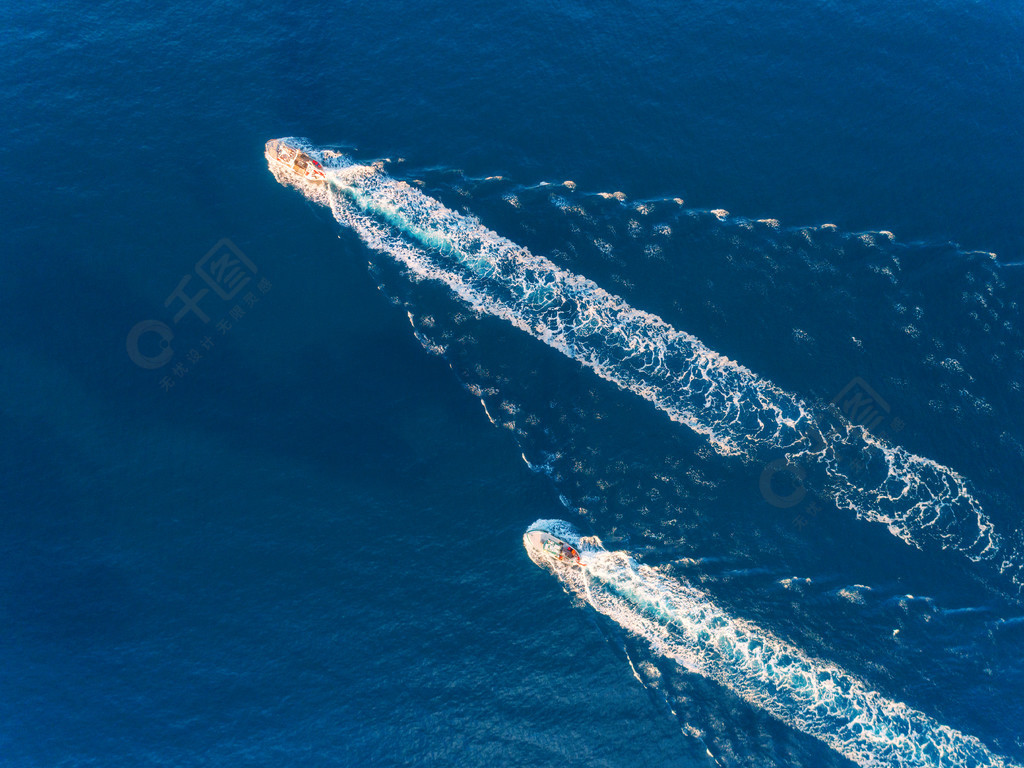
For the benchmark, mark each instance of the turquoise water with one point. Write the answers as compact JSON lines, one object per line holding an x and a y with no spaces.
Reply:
{"x":297,"y":538}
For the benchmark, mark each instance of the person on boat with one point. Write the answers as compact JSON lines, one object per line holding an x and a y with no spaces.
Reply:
{"x":568,"y":553}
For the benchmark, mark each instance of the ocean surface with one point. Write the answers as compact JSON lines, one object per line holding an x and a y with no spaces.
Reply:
{"x":735,"y":289}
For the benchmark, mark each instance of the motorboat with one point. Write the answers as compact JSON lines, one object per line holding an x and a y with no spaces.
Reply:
{"x":555,"y":541}
{"x":283,"y":155}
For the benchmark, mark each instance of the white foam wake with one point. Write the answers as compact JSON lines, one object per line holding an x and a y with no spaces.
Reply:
{"x":922,"y":502}
{"x":816,"y":697}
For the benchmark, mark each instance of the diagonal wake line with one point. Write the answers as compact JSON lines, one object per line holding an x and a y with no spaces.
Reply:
{"x":681,"y":623}
{"x":740,"y":414}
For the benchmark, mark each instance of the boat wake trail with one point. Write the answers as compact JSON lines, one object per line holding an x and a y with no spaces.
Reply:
{"x":816,"y":697}
{"x":739,"y":413}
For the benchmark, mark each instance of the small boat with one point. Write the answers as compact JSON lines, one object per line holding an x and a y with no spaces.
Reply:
{"x":294,"y":161}
{"x":553,"y":540}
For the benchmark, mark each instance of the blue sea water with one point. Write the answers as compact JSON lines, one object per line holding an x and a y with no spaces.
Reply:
{"x":298,"y":541}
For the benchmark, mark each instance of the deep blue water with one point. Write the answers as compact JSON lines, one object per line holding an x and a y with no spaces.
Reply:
{"x":303,"y":545}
